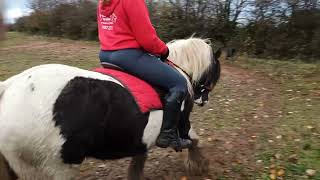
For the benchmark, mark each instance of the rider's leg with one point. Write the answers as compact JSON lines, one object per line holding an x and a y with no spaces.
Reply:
{"x":154,"y":71}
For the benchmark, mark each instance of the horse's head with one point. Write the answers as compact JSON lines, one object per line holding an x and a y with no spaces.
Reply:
{"x":196,"y":59}
{"x":208,"y":81}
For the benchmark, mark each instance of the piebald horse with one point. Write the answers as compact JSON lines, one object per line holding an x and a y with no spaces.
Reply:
{"x":54,"y":116}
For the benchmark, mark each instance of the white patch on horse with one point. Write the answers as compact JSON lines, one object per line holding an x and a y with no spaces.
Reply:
{"x":29,"y":139}
{"x":182,"y":105}
{"x":192,"y":134}
{"x":198,"y":101}
{"x":152,"y":130}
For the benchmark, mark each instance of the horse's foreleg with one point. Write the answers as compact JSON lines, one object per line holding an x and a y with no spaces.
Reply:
{"x":6,"y":173}
{"x":196,"y":163}
{"x":136,"y":167}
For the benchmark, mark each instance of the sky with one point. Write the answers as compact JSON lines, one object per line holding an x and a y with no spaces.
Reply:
{"x":14,"y":9}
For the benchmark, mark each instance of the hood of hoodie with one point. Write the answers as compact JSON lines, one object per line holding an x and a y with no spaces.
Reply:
{"x":108,"y":9}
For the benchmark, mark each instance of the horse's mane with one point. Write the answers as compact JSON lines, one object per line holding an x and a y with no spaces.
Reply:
{"x":193,"y":55}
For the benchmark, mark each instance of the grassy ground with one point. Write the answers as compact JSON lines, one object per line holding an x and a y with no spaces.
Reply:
{"x":296,"y":146}
{"x":263,"y":119}
{"x":20,"y":52}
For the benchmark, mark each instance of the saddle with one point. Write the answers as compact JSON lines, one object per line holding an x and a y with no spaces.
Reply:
{"x":146,"y":97}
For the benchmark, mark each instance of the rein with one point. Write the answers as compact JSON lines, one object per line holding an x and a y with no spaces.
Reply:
{"x":175,"y":65}
{"x":208,"y":88}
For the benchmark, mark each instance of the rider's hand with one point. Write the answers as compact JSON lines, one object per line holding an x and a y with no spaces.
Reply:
{"x":164,"y":57}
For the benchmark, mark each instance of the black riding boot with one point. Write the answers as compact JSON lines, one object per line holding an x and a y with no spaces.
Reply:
{"x":169,"y":136}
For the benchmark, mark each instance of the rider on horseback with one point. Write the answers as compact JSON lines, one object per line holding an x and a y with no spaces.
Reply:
{"x":128,"y":40}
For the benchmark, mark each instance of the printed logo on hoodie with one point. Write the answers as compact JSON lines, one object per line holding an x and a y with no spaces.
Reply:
{"x":107,"y":22}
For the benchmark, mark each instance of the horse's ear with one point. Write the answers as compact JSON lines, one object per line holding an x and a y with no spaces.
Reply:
{"x":218,"y":53}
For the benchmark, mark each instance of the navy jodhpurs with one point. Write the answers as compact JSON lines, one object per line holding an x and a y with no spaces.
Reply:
{"x":147,"y":67}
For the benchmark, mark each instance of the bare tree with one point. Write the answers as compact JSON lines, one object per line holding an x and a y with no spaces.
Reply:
{"x":47,"y":5}
{"x":2,"y":28}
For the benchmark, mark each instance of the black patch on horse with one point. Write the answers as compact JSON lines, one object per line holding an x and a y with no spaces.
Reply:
{"x":98,"y":119}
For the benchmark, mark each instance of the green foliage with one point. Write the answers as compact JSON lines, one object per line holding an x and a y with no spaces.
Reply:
{"x":298,"y":37}
{"x":75,"y":20}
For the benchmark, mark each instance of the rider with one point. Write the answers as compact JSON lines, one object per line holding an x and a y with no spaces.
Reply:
{"x":128,"y":40}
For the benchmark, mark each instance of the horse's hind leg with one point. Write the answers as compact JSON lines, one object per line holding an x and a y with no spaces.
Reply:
{"x":23,"y":170}
{"x":27,"y":167}
{"x":136,"y":167}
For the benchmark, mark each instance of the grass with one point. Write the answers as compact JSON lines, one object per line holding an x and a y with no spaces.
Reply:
{"x":298,"y":115}
{"x":21,"y":51}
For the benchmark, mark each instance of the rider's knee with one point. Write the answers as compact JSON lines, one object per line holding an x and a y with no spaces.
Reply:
{"x":181,"y":90}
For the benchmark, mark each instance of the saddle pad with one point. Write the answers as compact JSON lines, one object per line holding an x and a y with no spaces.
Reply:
{"x":146,"y":97}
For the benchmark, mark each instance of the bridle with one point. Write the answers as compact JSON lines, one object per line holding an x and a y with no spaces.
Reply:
{"x":204,"y":87}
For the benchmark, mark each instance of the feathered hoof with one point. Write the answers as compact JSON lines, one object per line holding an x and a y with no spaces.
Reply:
{"x":196,"y":163}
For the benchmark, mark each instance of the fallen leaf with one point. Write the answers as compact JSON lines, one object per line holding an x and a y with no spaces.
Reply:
{"x":273,"y":171}
{"x":311,"y":172}
{"x":278,"y":156}
{"x":309,"y":127}
{"x":293,"y":158}
{"x":273,"y":176}
{"x":102,"y":166}
{"x":183,"y":178}
{"x":281,"y":172}
{"x":272,"y":166}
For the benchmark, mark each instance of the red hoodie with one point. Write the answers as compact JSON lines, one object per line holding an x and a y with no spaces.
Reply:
{"x":126,"y":24}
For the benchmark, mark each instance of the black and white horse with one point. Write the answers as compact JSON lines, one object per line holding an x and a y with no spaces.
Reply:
{"x":54,"y":116}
